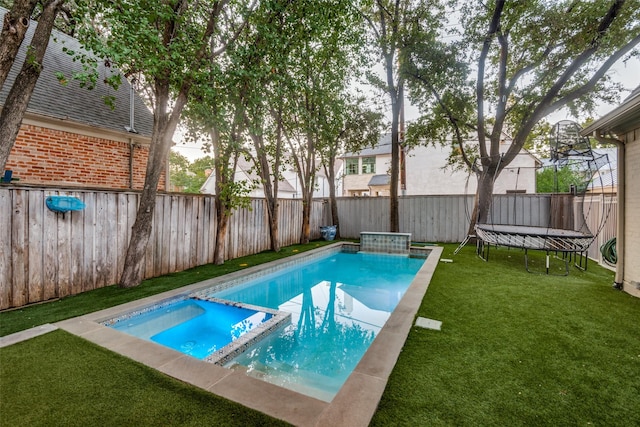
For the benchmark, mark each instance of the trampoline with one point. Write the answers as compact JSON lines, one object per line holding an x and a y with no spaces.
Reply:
{"x":566,"y":242}
{"x":568,"y":149}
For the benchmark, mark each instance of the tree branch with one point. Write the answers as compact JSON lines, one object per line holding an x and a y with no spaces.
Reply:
{"x":486,"y":45}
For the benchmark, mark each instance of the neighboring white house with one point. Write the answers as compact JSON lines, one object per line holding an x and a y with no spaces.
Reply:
{"x":605,"y":179}
{"x":622,"y":127}
{"x":366,"y":173}
{"x":288,"y":186}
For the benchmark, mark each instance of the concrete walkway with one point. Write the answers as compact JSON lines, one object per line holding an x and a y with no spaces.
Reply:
{"x":25,"y":335}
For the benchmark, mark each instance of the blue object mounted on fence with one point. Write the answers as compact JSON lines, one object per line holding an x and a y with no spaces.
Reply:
{"x":63,"y":204}
{"x":328,"y":232}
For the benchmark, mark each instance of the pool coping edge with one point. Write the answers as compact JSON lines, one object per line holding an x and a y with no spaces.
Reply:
{"x":355,"y":403}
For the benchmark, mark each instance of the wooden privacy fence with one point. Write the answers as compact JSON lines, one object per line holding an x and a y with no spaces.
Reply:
{"x":446,"y":218}
{"x":600,"y":213}
{"x":45,"y":255}
{"x":427,"y":218}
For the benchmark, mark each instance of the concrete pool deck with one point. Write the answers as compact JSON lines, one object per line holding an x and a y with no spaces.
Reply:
{"x":355,"y":403}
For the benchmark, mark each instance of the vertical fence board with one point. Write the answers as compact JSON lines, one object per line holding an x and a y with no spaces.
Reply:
{"x":111,"y":241}
{"x":167,"y":229}
{"x":76,"y":226}
{"x":102,"y":245}
{"x":213,"y":235}
{"x":155,"y":241}
{"x":122,"y":232}
{"x":200,"y":257}
{"x":89,"y":229}
{"x":20,"y":248}
{"x":51,"y":255}
{"x":36,"y":238}
{"x":63,"y":262}
{"x":194,"y":218}
{"x":6,"y":252}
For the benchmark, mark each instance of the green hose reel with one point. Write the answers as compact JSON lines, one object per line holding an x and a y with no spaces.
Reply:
{"x":608,"y":251}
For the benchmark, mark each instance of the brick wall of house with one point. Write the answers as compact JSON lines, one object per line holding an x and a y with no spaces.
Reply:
{"x":55,"y":157}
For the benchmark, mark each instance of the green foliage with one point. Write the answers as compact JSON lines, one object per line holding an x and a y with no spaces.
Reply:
{"x":189,"y":177}
{"x":559,"y":180}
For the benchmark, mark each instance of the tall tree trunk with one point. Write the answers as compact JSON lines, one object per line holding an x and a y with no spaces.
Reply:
{"x":482,"y":203}
{"x":305,"y":233}
{"x":222,"y":223}
{"x":394,"y":225}
{"x":222,"y":174}
{"x":14,"y":28}
{"x":393,"y":91}
{"x":164,"y":126}
{"x":331,"y":175}
{"x":272,"y":212}
{"x":18,"y":98}
{"x":270,"y":189}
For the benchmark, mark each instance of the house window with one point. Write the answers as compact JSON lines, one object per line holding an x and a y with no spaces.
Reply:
{"x":352,"y":166}
{"x":368,"y":165}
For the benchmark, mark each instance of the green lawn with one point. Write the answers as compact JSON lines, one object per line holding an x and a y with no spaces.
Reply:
{"x":515,"y":349}
{"x":518,"y":349}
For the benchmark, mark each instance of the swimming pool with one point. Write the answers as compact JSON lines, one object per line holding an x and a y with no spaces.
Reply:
{"x":336,"y":305}
{"x":192,"y":326}
{"x":353,"y":405}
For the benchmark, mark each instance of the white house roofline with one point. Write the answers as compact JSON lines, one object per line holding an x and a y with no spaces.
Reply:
{"x":619,"y":120}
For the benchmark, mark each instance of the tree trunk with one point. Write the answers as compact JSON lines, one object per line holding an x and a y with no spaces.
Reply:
{"x":163,"y":129}
{"x":331,"y":175}
{"x":306,"y":215}
{"x":270,"y":190}
{"x":14,"y":28}
{"x":272,"y":211}
{"x":222,"y":223}
{"x":483,"y":200}
{"x":222,"y":202}
{"x":394,"y":216}
{"x":18,"y":98}
{"x":394,"y":225}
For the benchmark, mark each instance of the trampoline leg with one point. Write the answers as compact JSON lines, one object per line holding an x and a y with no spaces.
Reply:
{"x":463,"y":243}
{"x":547,"y":262}
{"x":481,"y":247}
{"x":578,"y":264}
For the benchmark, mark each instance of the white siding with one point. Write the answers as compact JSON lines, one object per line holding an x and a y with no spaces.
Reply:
{"x":632,"y":214}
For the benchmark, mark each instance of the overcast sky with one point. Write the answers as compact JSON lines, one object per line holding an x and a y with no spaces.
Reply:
{"x":628,"y":74}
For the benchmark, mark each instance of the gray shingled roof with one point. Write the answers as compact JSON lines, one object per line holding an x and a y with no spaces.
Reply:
{"x":71,"y":102}
{"x":379,"y":180}
{"x":382,"y":147}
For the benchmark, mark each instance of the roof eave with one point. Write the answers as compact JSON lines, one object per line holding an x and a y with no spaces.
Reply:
{"x":612,"y":121}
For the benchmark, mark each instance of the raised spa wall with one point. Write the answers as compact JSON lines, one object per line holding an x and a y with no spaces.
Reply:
{"x":389,"y":243}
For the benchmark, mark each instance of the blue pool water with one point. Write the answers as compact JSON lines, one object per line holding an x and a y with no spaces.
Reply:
{"x":338,"y":304}
{"x":194,"y":327}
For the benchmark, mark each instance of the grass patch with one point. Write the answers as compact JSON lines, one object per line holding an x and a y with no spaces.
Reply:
{"x":518,"y":348}
{"x":77,"y":305}
{"x":515,"y":349}
{"x":59,"y":379}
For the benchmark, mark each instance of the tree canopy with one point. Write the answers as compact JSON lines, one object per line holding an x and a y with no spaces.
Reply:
{"x":526,"y":60}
